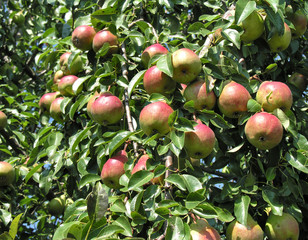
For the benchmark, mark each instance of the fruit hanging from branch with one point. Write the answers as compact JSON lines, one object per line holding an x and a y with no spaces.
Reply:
{"x":3,"y":120}
{"x":113,"y":169}
{"x":264,"y":130}
{"x":156,"y":81}
{"x":151,"y":51}
{"x":233,"y":99}
{"x":186,"y":65}
{"x":153,"y":118}
{"x":107,"y":109}
{"x":272,"y":95}
{"x":82,"y":37}
{"x":7,"y":174}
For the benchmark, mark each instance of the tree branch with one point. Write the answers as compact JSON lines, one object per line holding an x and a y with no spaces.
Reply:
{"x":220,"y":174}
{"x":126,"y":99}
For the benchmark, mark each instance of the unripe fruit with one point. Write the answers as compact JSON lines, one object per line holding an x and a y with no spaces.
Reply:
{"x":56,"y":206}
{"x":279,"y":43}
{"x":75,"y":67}
{"x":264,"y":130}
{"x":282,"y":227}
{"x":7,"y":174}
{"x":19,"y":19}
{"x":154,"y":118}
{"x":3,"y":120}
{"x":253,"y":27}
{"x":298,"y":80}
{"x":82,"y":37}
{"x":57,"y":77}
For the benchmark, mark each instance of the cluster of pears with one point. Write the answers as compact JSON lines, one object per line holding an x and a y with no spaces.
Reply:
{"x":84,"y":38}
{"x":253,"y":28}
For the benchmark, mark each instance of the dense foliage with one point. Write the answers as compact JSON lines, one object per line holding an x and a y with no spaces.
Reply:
{"x":65,"y":157}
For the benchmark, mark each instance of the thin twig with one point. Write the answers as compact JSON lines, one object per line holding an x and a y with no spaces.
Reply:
{"x":220,"y":174}
{"x":126,"y":99}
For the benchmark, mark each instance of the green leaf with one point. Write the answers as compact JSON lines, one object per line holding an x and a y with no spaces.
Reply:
{"x":177,"y":229}
{"x":6,"y":236}
{"x":192,"y":183}
{"x":97,"y":202}
{"x":75,"y":107}
{"x":298,"y":160}
{"x":271,"y":68}
{"x":77,"y":138}
{"x":177,"y":180}
{"x":194,"y":199}
{"x":270,"y":174}
{"x":241,"y":207}
{"x":135,"y":81}
{"x":243,"y":9}
{"x":123,"y":222}
{"x":172,"y":118}
{"x":33,"y":170}
{"x":118,"y":206}
{"x":118,"y":140}
{"x":178,"y":138}
{"x":183,"y":124}
{"x":89,"y":178}
{"x":78,"y":83}
{"x":164,"y":64}
{"x":271,"y":197}
{"x":14,"y":226}
{"x":109,"y":230}
{"x":139,"y":178}
{"x":253,"y":106}
{"x":63,"y":230}
{"x":233,"y":36}
{"x":282,"y":117}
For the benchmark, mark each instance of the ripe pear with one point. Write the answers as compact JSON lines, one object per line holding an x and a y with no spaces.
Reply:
{"x":253,"y":27}
{"x":142,"y":165}
{"x":156,"y":81}
{"x":107,"y":109}
{"x":55,"y":109}
{"x":202,"y":230}
{"x":281,"y":227}
{"x":90,"y":103}
{"x":46,"y":101}
{"x":233,"y":99}
{"x":200,"y":142}
{"x":154,"y":118}
{"x":65,"y":86}
{"x":272,"y":95}
{"x":186,"y":65}
{"x":279,"y":43}
{"x":151,"y":51}
{"x":197,"y":92}
{"x":264,"y":130}
{"x":105,"y":36}
{"x":113,"y":169}
{"x":57,"y":77}
{"x":238,"y":231}
{"x":82,"y":37}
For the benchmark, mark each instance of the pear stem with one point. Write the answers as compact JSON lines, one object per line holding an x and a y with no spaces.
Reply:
{"x":126,"y":99}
